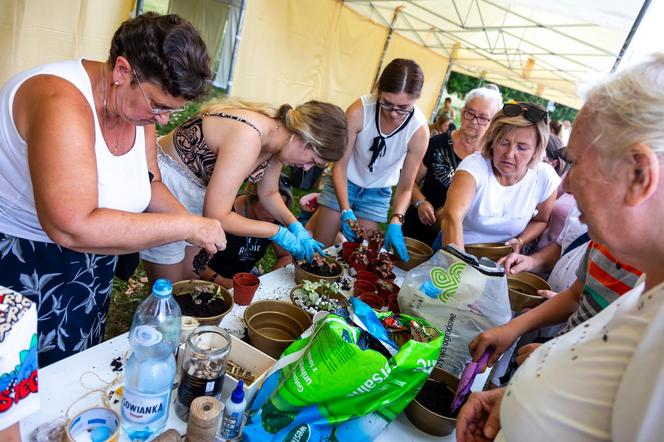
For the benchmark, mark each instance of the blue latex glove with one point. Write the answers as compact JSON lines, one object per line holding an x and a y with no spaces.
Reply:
{"x":348,"y":215}
{"x":394,"y":239}
{"x":308,"y":244}
{"x":288,"y":242}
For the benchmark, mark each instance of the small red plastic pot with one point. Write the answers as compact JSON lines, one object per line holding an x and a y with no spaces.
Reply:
{"x":386,"y":288}
{"x":348,"y":248}
{"x":372,"y":301}
{"x":244,"y":287}
{"x":362,"y":286}
{"x":393,"y":303}
{"x":365,"y":275}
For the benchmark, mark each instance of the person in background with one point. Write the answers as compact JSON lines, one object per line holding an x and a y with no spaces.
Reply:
{"x":388,"y":135}
{"x":443,"y":155}
{"x":448,"y":109}
{"x":602,"y":380}
{"x":19,"y":383}
{"x":564,"y":201}
{"x":505,"y":193}
{"x":555,"y":127}
{"x":442,"y":124}
{"x":242,"y":253}
{"x":565,"y":132}
{"x":79,"y":182}
{"x":207,"y":158}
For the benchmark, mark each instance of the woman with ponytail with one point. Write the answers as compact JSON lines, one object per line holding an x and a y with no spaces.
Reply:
{"x":205,"y":161}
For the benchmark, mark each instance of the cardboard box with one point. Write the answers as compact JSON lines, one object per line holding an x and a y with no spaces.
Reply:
{"x":249,"y":358}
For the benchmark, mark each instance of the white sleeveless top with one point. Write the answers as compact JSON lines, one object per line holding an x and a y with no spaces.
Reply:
{"x":387,"y":169}
{"x":122,"y":182}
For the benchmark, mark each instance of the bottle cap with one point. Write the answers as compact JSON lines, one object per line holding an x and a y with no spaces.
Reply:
{"x":162,"y":288}
{"x":238,"y":394}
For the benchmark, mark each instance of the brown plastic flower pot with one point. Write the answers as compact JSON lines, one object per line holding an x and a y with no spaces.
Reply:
{"x":274,"y":325}
{"x":492,"y":250}
{"x":522,"y":290}
{"x":244,"y":287}
{"x":361,"y":286}
{"x":373,"y":301}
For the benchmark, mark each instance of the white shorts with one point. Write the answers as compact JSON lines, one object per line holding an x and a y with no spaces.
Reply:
{"x":188,"y":190}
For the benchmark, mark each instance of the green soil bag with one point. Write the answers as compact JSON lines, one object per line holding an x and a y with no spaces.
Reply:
{"x":325,"y":387}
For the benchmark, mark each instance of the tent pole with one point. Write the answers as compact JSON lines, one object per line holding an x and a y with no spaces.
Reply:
{"x":630,"y":36}
{"x":236,"y":44}
{"x":139,"y":7}
{"x":446,"y":78}
{"x":390,"y":31}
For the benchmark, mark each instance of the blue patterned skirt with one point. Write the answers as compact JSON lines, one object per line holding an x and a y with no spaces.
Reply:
{"x":72,"y":291}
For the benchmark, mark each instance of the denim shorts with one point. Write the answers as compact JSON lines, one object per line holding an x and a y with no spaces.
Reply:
{"x":186,"y":188}
{"x":370,"y":204}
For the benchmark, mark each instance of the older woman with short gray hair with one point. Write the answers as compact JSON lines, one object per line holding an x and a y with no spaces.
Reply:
{"x":444,"y":153}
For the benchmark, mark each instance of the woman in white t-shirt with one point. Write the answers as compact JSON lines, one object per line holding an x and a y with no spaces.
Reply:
{"x":387,"y":139}
{"x":505,"y":193}
{"x":604,"y":380}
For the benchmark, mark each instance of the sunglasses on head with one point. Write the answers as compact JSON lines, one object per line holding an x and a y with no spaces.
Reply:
{"x":531,"y":112}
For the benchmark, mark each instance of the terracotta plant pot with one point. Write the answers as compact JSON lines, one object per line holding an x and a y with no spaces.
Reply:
{"x":386,"y":288}
{"x":348,"y":248}
{"x":373,"y":301}
{"x":244,"y":287}
{"x":362,"y":286}
{"x":358,"y":266}
{"x":366,"y":276}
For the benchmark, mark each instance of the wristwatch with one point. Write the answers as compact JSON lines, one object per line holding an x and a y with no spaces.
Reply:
{"x":418,"y":203}
{"x":398,"y":216}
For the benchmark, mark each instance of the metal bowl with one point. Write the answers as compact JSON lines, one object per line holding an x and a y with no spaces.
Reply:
{"x":303,"y":275}
{"x":274,"y":325}
{"x":492,"y":250}
{"x":418,"y":252}
{"x":522,"y":289}
{"x":425,"y":419}
{"x":181,"y":287}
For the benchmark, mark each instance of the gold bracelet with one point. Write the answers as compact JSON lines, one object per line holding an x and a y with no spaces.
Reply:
{"x":520,"y":241}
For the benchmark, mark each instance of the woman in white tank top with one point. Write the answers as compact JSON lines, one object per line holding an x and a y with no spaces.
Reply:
{"x":78,"y":171}
{"x":387,"y":139}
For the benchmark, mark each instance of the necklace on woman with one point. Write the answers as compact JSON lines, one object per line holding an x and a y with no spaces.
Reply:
{"x":104,"y":117}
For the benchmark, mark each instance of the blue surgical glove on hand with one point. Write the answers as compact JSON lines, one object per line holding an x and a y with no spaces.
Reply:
{"x":394,"y":239}
{"x":288,"y":242}
{"x":348,"y":215}
{"x":308,"y":244}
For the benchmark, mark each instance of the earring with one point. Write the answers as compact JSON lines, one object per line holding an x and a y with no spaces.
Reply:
{"x":116,"y":84}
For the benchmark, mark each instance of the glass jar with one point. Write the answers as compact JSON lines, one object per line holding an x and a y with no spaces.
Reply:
{"x":203,"y":366}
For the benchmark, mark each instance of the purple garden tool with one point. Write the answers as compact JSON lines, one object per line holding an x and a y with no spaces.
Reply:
{"x":467,"y":378}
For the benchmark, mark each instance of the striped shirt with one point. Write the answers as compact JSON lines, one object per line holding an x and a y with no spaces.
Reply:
{"x":605,"y":280}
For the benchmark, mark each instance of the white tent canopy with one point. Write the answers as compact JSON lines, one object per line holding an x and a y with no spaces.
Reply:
{"x":538,"y":46}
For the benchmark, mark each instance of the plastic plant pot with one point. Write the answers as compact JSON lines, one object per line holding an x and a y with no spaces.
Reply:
{"x":244,"y":288}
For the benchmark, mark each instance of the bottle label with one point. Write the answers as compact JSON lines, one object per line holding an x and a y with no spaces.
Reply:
{"x":231,"y":424}
{"x":192,"y":387}
{"x":144,"y":408}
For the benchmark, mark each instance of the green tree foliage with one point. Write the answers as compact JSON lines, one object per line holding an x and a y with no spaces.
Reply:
{"x":460,"y":84}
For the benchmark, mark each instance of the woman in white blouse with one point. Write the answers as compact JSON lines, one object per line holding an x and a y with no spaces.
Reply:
{"x":505,"y":193}
{"x":604,"y":380}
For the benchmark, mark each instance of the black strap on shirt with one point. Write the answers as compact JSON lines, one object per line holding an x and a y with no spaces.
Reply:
{"x":378,"y":146}
{"x":581,"y":240}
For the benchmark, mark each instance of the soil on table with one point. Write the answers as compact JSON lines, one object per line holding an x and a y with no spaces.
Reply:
{"x":202,"y":307}
{"x":437,"y":397}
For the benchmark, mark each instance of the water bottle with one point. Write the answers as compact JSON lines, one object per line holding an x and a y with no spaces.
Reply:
{"x":150,"y":370}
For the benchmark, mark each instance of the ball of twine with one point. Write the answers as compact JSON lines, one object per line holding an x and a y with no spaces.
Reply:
{"x":204,"y":417}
